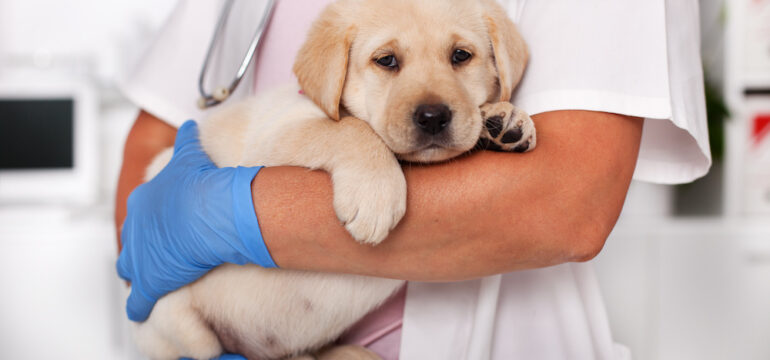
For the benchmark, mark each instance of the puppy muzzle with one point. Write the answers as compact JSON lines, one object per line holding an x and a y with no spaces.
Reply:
{"x":432,"y":119}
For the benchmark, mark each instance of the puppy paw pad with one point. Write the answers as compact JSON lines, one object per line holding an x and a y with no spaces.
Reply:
{"x":522,"y":148}
{"x":494,"y":125}
{"x":509,"y":130}
{"x":512,"y":136}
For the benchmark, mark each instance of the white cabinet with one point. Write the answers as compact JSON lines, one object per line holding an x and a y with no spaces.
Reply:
{"x":747,"y":91}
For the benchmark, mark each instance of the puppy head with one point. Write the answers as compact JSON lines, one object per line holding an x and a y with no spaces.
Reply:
{"x":416,"y":71}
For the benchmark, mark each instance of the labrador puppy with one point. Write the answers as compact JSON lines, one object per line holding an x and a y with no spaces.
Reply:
{"x":381,"y":81}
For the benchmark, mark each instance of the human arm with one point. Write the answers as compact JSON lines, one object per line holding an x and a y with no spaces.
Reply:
{"x":479,"y":215}
{"x":482,"y":214}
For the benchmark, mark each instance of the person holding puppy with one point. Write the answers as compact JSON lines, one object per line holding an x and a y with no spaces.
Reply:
{"x":616,"y":93}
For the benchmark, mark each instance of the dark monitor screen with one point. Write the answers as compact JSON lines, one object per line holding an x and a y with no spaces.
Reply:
{"x":36,"y":134}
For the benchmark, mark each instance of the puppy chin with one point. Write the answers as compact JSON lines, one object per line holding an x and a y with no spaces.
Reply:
{"x":430,"y":155}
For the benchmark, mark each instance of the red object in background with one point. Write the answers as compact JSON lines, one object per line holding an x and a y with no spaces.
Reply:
{"x":761,"y":128}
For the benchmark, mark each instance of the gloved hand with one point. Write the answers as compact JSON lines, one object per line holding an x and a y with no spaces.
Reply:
{"x":190,"y":218}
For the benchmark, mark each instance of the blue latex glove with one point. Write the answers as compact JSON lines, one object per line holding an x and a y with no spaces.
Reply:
{"x":190,"y":218}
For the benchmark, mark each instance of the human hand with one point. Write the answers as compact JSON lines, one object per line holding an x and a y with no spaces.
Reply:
{"x":187,"y":220}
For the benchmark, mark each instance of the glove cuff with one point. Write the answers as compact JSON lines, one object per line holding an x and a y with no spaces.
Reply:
{"x":246,"y":217}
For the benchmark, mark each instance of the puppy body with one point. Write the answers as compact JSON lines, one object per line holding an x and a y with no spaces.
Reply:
{"x":265,"y":314}
{"x":354,"y":120}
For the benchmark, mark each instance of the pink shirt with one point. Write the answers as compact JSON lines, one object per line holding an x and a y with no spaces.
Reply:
{"x":380,"y":331}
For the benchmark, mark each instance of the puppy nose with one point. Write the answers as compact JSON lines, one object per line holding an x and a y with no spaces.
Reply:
{"x":432,"y":118}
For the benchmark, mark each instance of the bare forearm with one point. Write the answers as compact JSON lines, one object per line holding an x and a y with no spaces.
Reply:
{"x":148,"y":137}
{"x":482,"y":214}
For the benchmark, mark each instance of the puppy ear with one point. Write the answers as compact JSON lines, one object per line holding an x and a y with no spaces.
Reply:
{"x":509,"y":48}
{"x":322,"y":62}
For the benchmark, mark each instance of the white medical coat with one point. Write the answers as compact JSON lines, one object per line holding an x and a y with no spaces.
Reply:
{"x":631,"y":57}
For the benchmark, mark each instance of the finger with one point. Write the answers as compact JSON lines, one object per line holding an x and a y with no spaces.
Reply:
{"x":124,"y":262}
{"x":123,"y":266}
{"x":138,"y":305}
{"x":187,"y":135}
{"x":188,"y":149}
{"x":134,"y":198}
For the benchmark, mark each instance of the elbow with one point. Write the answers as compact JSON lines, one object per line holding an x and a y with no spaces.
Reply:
{"x":579,"y":245}
{"x":589,"y":254}
{"x":593,"y":231}
{"x":589,"y":243}
{"x":594,"y":217}
{"x":575,"y":234}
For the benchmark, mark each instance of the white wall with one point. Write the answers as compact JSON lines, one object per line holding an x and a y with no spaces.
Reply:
{"x":106,"y":35}
{"x":61,"y":297}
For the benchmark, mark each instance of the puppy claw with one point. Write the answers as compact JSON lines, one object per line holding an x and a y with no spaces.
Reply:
{"x":510,"y":129}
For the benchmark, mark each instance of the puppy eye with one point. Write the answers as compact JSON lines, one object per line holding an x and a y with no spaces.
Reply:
{"x":388,"y":61}
{"x":460,"y":56}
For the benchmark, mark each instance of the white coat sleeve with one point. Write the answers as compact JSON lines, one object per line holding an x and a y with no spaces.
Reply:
{"x":636,"y":58}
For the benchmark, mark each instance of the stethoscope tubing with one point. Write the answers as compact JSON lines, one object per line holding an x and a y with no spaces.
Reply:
{"x":221,"y":93}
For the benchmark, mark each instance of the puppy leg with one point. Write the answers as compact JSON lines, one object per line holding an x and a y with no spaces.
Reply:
{"x":507,"y":128}
{"x":369,"y":185}
{"x":174,"y":329}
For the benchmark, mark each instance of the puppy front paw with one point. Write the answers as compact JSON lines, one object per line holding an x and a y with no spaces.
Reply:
{"x":506,"y":128}
{"x":370,"y":202}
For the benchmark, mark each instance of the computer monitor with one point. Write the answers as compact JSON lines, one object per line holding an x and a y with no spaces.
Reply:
{"x":48,"y":145}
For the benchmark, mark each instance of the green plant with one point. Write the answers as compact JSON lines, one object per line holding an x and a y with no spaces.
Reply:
{"x":716,"y":114}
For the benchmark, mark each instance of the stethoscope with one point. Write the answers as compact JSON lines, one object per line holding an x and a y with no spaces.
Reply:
{"x":221,"y":93}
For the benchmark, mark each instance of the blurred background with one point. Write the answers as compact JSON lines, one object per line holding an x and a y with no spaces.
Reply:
{"x":686,"y":273}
